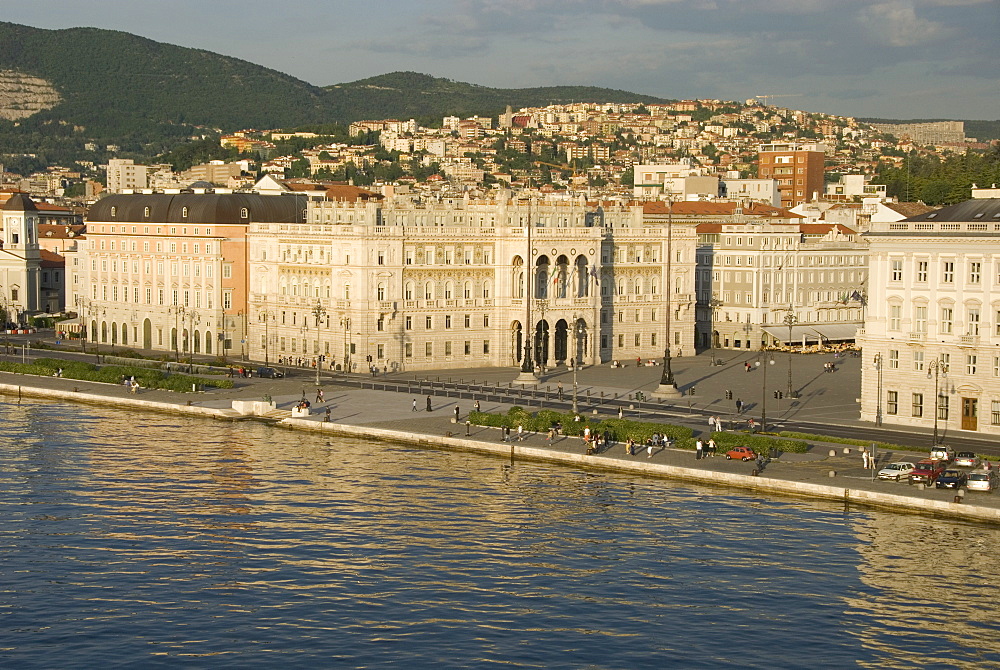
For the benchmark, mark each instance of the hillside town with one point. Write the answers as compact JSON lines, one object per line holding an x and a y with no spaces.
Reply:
{"x":581,"y":234}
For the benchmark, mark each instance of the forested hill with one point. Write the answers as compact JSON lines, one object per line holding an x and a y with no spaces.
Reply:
{"x":87,"y":84}
{"x":114,"y":84}
{"x":407,"y":95}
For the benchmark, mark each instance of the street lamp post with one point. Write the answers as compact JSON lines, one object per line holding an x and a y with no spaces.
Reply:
{"x":877,"y":364}
{"x":527,"y":374}
{"x":766,"y":359}
{"x":577,"y":332}
{"x":265,"y":316}
{"x":667,"y":387}
{"x":193,"y":318}
{"x":319,"y":313}
{"x":346,"y":323}
{"x":178,"y":312}
{"x":939,"y":369}
{"x":790,"y":320}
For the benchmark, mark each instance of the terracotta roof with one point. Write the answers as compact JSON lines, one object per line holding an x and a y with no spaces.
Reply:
{"x":59,"y":230}
{"x":718,"y":208}
{"x":824,"y":228}
{"x":351,"y":193}
{"x":51,"y":259}
{"x":909,"y":209}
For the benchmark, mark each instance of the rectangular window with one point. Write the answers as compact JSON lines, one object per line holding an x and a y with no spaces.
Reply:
{"x":227,"y":300}
{"x":920,"y":318}
{"x":486,"y":346}
{"x":447,"y":321}
{"x":428,"y":349}
{"x":947,"y":319}
{"x":408,"y":350}
{"x":972,"y":323}
{"x":428,"y":322}
{"x":447,"y":348}
{"x":227,"y":270}
{"x":894,"y":359}
{"x":408,"y":323}
{"x":486,"y":321}
{"x":468,"y":320}
{"x":895,"y":315}
{"x":971,"y":361}
{"x":892,"y":402}
{"x":922,"y":271}
{"x":918,"y":404}
{"x":942,"y":408}
{"x":995,"y":413}
{"x":918,"y":361}
{"x":948,"y":272}
{"x":467,"y":348}
{"x":896,"y":273}
{"x":975,"y":272}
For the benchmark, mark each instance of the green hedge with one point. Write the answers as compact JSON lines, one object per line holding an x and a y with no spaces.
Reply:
{"x":764,"y":445}
{"x":620,"y":429}
{"x":113,"y":374}
{"x":847,"y":440}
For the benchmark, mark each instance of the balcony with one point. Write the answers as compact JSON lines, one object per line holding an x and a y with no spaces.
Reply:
{"x":968,"y":341}
{"x":916,"y":337}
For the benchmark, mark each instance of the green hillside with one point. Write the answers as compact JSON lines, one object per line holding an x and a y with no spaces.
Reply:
{"x":413,"y":95}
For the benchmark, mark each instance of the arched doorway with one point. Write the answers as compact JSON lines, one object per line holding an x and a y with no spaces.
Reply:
{"x":104,"y":332}
{"x":124,"y":334}
{"x":516,"y":343}
{"x":147,"y":334}
{"x":208,"y":341}
{"x":197,"y":342}
{"x":560,"y":349}
{"x":542,"y":343}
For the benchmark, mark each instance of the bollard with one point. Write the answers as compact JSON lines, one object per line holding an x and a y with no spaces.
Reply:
{"x":754,"y":472}
{"x":958,"y":499}
{"x":831,"y":473}
{"x":833,"y":452}
{"x":847,"y":450}
{"x":631,"y":406}
{"x":920,"y":486}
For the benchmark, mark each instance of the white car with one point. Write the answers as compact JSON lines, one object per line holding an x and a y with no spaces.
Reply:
{"x":982,"y":480}
{"x":897,"y":471}
{"x":966,"y":459}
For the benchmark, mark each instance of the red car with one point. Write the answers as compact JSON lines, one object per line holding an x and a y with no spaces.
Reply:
{"x":926,"y":472}
{"x":742,"y":453}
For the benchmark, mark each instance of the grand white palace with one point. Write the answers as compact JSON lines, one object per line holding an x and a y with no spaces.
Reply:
{"x":399,"y":283}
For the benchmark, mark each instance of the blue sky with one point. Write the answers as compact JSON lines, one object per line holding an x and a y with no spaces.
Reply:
{"x":886,"y":58}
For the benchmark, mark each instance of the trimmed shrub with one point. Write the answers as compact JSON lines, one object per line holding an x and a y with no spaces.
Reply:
{"x":764,"y":445}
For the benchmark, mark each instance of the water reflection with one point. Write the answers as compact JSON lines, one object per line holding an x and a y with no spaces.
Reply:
{"x":254,"y":545}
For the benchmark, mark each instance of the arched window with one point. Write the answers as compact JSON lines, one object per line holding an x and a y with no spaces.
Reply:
{"x":244,"y":213}
{"x":448,"y":291}
{"x":467,"y":290}
{"x":184,"y":212}
{"x":381,"y":291}
{"x":145,"y":212}
{"x":486,"y":289}
{"x":408,"y":291}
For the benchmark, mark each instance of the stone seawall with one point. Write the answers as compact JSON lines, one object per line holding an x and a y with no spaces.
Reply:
{"x":764,"y":485}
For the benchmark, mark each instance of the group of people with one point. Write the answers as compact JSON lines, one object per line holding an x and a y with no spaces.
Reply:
{"x":703,"y":449}
{"x":241,"y":371}
{"x":829,"y":367}
{"x":130,"y":384}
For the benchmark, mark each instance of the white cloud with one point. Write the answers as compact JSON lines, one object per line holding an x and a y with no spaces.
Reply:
{"x":899,"y":24}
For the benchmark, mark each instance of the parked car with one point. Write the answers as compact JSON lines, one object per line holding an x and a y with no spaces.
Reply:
{"x":742,"y":453}
{"x":951,"y":479}
{"x":896,"y":471}
{"x":942,"y":453}
{"x":270,"y":373}
{"x":982,"y":480}
{"x":926,"y":471}
{"x":966,"y":459}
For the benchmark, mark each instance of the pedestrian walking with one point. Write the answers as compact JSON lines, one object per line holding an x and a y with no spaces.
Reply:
{"x":718,"y":424}
{"x":621,"y":412}
{"x":520,"y":432}
{"x":586,"y":436}
{"x":649,"y":449}
{"x":551,"y":435}
{"x":477,"y":406}
{"x":326,"y":417}
{"x":630,"y":446}
{"x":711,"y":422}
{"x":319,"y":396}
{"x":456,"y":413}
{"x":505,"y":434}
{"x":746,"y":366}
{"x":739,"y":406}
{"x":711,"y":447}
{"x":865,"y":459}
{"x":428,"y":403}
{"x":414,"y":404}
{"x":559,"y":389}
{"x":699,"y":447}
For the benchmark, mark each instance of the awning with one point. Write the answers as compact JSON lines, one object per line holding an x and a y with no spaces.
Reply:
{"x":837,"y":331}
{"x":832,"y":332}
{"x":780,"y":333}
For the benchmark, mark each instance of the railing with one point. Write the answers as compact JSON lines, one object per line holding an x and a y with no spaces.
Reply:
{"x":969,"y":340}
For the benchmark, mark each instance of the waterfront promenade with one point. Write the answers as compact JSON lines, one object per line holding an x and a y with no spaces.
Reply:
{"x":389,"y":415}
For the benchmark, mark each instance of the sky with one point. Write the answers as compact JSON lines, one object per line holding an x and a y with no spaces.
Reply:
{"x":894,"y":59}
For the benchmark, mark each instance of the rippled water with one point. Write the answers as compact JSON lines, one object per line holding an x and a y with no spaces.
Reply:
{"x":144,"y":540}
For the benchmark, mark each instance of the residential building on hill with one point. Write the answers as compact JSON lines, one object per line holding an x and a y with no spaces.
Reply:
{"x":797,"y":167}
